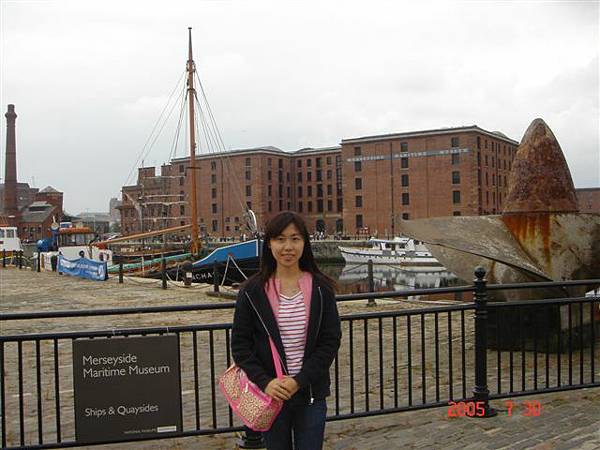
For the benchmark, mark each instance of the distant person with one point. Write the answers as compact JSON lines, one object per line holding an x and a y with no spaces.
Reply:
{"x":297,"y":304}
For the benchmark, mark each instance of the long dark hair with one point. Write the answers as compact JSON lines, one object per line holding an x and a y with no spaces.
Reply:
{"x":268,"y":264}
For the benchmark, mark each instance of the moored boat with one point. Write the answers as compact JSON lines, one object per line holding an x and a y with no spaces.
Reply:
{"x":234,"y":263}
{"x":72,"y":243}
{"x":400,"y":251}
{"x":9,"y":240}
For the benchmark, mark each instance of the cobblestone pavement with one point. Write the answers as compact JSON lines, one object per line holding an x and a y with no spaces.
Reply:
{"x":567,"y":420}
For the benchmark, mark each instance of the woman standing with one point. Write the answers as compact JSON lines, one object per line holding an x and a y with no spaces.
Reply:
{"x":296,"y":302}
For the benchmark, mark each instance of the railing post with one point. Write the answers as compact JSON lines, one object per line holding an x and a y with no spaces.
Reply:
{"x":121,"y":269}
{"x":164,"y":272}
{"x":20,"y":258}
{"x":371,"y":301}
{"x":250,"y":439}
{"x":4,"y":258}
{"x":187,"y":275}
{"x":215,"y":277}
{"x":480,"y":391}
{"x":39,"y":261}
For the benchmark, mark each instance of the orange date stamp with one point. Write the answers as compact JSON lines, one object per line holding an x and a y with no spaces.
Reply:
{"x":527,"y":408}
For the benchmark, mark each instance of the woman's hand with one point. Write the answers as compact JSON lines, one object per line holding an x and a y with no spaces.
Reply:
{"x":277,"y":389}
{"x":291,"y":385}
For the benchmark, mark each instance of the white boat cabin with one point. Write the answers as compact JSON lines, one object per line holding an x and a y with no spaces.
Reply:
{"x":9,"y":239}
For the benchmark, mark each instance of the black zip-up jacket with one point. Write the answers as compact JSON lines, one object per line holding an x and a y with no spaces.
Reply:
{"x":250,"y":343}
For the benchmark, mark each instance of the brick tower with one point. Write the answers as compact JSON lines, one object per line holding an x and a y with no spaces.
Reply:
{"x":11,"y":210}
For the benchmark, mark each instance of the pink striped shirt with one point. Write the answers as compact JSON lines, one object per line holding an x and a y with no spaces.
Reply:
{"x":292,"y":328}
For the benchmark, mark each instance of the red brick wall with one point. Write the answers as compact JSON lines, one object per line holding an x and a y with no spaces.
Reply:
{"x":54,"y":198}
{"x":34,"y":231}
{"x":588,"y":200}
{"x":430,"y":187}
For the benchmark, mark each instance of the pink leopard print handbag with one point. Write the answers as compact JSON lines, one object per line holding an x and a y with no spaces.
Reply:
{"x":256,"y":409}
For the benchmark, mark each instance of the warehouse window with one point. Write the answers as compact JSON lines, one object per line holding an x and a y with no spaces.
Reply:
{"x":359,"y":221}
{"x":455,"y":197}
{"x":456,"y":177}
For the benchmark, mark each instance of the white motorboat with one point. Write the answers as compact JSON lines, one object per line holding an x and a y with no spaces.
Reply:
{"x":400,"y":251}
{"x":9,"y":240}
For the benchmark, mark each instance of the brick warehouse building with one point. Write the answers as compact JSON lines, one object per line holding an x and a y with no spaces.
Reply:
{"x":588,"y":200}
{"x":266,"y":179}
{"x":443,"y":172}
{"x":368,"y":182}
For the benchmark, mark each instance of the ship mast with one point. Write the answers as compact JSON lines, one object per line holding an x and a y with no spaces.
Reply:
{"x":191,"y":93}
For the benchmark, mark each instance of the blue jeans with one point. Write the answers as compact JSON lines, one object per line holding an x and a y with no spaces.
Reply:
{"x":300,"y":423}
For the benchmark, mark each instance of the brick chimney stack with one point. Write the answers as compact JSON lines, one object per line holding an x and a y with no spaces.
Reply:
{"x":10,"y":177}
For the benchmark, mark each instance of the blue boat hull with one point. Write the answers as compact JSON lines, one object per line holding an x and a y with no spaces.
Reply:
{"x":233,"y":262}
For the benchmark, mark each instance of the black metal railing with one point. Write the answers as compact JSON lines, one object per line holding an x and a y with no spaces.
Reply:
{"x":389,"y":361}
{"x":14,"y":258}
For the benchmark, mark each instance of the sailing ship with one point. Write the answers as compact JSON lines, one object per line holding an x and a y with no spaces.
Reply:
{"x":232,"y":263}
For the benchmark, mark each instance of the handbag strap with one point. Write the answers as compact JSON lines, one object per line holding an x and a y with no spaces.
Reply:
{"x":276,"y":358}
{"x":276,"y":361}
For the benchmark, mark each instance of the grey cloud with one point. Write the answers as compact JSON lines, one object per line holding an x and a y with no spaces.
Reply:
{"x":88,"y":84}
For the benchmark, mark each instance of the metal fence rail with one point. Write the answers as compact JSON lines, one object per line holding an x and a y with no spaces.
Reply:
{"x":533,"y":360}
{"x":389,"y":361}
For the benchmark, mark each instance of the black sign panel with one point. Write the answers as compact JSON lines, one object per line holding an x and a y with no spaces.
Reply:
{"x":126,"y":388}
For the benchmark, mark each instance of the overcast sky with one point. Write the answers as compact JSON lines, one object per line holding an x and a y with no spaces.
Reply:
{"x":90,"y":79}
